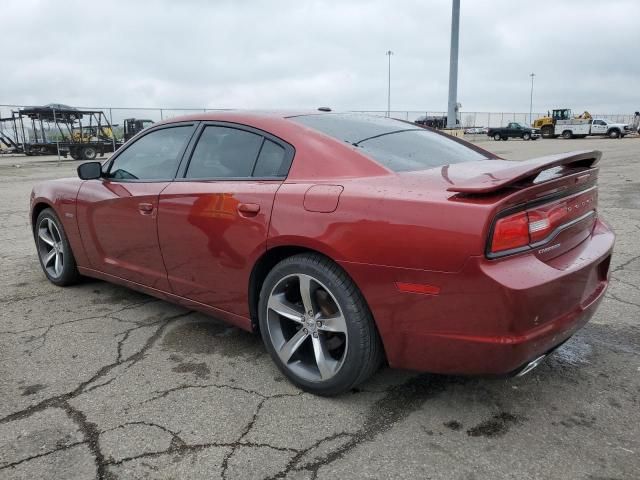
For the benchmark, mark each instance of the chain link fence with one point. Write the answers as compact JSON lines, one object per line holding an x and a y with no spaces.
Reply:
{"x":117,"y":115}
{"x":487,"y":119}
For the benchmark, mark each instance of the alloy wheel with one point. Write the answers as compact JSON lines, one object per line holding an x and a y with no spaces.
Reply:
{"x":50,"y":247}
{"x":307,"y":327}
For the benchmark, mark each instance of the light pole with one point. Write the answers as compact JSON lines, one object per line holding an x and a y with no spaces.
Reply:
{"x":388,"y":54}
{"x":532,"y":75}
{"x":452,"y":116}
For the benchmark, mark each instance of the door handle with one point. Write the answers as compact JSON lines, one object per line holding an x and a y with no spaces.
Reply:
{"x":248,"y":209}
{"x":145,"y":208}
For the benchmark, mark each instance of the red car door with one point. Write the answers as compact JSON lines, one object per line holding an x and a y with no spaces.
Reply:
{"x":213,"y":222}
{"x":117,"y":214}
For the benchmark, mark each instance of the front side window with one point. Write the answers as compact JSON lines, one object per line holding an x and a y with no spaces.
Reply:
{"x":154,"y":156}
{"x":224,"y":152}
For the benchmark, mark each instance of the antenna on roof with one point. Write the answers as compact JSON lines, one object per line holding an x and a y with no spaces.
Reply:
{"x":324,"y":109}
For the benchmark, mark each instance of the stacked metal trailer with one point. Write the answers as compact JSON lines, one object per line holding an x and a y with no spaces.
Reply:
{"x":58,"y":129}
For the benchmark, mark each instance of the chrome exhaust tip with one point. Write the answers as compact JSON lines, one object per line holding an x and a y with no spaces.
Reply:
{"x":531,"y":365}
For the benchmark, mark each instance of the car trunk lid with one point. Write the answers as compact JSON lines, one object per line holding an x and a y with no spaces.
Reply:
{"x":545,"y":205}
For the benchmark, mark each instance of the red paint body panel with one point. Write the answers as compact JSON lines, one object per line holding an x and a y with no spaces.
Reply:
{"x":198,"y":243}
{"x":209,"y":246}
{"x":119,"y":231}
{"x":492,"y":316}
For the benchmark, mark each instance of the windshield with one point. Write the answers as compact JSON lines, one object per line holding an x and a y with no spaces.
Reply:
{"x":399,"y":146}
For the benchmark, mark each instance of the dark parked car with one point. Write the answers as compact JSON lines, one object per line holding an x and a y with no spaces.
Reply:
{"x":434,"y":121}
{"x":344,"y":240}
{"x":514,"y":130}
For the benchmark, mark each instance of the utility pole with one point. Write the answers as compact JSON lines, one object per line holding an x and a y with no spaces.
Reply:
{"x":532,"y":75}
{"x":388,"y":54}
{"x":453,"y":65}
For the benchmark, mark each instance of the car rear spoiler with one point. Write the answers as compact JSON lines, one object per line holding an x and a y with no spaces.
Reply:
{"x":515,"y":172}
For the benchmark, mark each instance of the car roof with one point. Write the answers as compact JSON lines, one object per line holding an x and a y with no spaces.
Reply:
{"x":240,"y":116}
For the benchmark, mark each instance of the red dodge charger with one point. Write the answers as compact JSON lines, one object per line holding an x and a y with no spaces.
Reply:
{"x":345,"y":240}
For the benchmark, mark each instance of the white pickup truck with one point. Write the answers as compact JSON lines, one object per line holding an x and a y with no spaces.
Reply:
{"x":580,"y":128}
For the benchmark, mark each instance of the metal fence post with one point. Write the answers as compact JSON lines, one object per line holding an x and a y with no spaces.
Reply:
{"x":113,"y":133}
{"x":57,"y":139}
{"x":161,"y":116}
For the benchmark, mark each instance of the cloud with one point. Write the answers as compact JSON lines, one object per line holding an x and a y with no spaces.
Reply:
{"x":302,"y":54}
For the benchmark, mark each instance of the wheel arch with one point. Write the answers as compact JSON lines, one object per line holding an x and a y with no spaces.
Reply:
{"x":269,"y":259}
{"x":38,"y":207}
{"x":263,"y":265}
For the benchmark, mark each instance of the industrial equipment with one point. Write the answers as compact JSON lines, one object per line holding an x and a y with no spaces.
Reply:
{"x":547,"y":124}
{"x":134,"y":125}
{"x":58,"y":129}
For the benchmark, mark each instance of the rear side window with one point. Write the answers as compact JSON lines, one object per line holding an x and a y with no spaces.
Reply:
{"x":399,"y":146}
{"x":154,"y":156}
{"x":272,"y":161}
{"x":224,"y":152}
{"x":417,"y":150}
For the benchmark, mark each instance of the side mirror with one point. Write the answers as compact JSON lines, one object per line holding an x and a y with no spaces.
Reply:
{"x":90,"y":170}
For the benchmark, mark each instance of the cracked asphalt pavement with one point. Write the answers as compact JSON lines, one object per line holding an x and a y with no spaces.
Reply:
{"x":98,"y":381}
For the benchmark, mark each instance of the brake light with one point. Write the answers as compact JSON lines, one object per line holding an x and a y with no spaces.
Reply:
{"x":510,"y":232}
{"x":537,"y":224}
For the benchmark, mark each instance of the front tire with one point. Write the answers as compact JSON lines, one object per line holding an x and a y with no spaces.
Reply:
{"x":54,"y":252}
{"x":547,"y":131}
{"x":526,"y":136}
{"x":614,"y":133}
{"x":316,"y":325}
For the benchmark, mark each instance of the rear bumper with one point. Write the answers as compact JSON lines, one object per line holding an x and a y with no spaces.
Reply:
{"x":492,"y":317}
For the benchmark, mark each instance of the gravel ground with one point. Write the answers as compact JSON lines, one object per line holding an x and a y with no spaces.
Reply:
{"x":98,"y":381}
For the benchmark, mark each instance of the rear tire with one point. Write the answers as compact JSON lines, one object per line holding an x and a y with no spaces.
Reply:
{"x":89,"y":153}
{"x":567,"y":135}
{"x":54,"y":252}
{"x":333,"y":348}
{"x":497,"y":137}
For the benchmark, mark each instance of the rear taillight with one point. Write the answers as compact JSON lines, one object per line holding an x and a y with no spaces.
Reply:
{"x":510,"y":232}
{"x":543,"y":220}
{"x":535,"y":225}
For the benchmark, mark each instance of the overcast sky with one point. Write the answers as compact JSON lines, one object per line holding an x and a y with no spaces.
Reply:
{"x":303,"y":54}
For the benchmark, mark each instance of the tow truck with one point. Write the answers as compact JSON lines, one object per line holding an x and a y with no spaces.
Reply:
{"x":581,"y":128}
